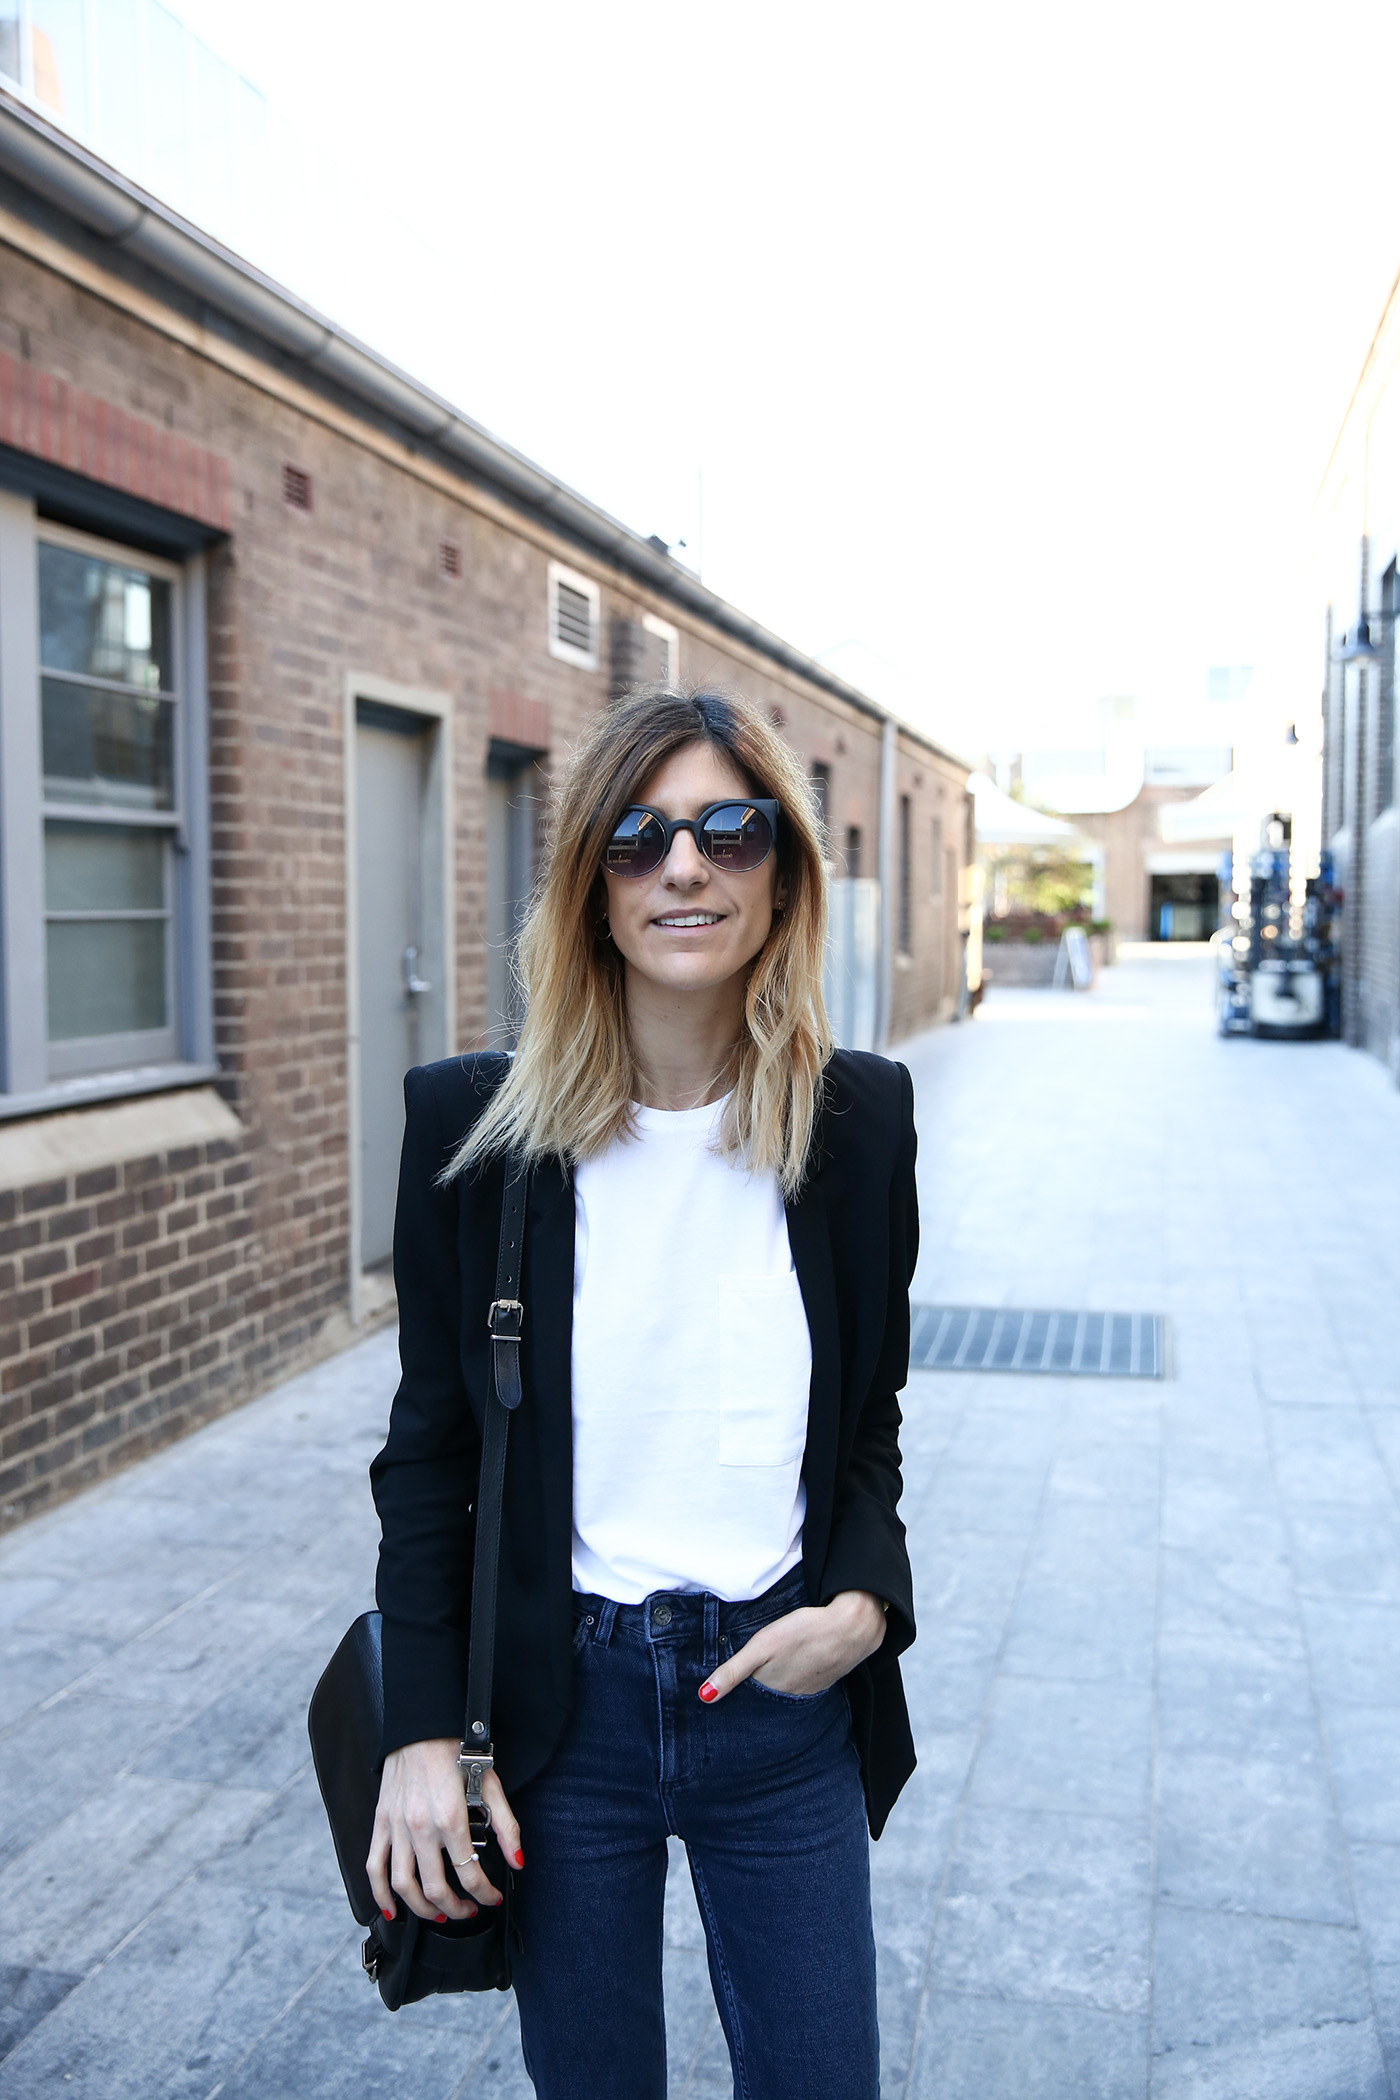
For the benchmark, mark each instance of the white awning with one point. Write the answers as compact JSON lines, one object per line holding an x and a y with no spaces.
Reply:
{"x":1002,"y":822}
{"x":1282,"y":779}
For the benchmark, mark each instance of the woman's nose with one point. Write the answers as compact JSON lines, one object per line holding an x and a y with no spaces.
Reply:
{"x":685,"y":863}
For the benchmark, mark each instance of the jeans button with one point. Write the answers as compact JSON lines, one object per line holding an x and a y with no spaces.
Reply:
{"x":662,"y":1615}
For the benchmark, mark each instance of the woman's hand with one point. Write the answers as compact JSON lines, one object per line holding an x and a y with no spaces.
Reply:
{"x":422,"y":1813}
{"x":806,"y":1650}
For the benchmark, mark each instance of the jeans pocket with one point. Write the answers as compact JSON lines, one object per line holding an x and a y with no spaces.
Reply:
{"x":770,"y":1691}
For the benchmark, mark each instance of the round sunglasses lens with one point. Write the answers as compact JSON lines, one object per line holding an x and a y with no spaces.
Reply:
{"x":637,"y":846}
{"x":737,"y":837}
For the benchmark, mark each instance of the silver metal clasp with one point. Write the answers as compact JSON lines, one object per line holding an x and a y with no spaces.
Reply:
{"x":474,"y":1766}
{"x":505,"y":1309}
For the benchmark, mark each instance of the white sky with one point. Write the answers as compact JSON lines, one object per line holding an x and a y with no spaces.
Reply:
{"x":1011,"y":342}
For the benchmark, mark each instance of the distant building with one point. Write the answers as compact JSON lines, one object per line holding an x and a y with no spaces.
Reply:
{"x":288,"y":650}
{"x":1114,"y":789}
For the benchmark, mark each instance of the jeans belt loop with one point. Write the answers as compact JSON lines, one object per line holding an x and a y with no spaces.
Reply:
{"x":602,"y":1632}
{"x":711,"y":1632}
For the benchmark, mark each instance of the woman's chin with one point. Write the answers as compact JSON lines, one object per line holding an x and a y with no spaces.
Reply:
{"x":681,"y":970}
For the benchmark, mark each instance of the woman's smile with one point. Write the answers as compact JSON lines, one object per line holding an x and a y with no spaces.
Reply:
{"x":688,"y":921}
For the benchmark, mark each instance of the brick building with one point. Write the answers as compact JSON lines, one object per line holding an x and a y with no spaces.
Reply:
{"x":1119,"y":791}
{"x":288,"y":648}
{"x":1357,"y":564}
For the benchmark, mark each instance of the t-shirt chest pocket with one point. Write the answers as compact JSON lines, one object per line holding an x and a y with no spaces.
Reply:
{"x":765,"y":1370}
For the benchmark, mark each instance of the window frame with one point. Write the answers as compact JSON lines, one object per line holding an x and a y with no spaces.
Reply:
{"x":671,"y":636}
{"x":574,"y":580}
{"x":36,"y":1074}
{"x":76,"y":1056}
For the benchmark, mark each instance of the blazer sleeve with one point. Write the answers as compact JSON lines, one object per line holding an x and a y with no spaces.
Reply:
{"x":424,"y":1479}
{"x":867,"y":1548}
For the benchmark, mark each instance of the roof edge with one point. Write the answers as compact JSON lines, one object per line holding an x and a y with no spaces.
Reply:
{"x":51,"y":164}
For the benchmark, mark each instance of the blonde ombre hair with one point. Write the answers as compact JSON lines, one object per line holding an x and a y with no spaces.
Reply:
{"x":574,"y":1078}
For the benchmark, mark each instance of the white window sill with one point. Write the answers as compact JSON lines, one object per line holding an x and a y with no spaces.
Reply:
{"x":91,"y":1087}
{"x":582,"y":659}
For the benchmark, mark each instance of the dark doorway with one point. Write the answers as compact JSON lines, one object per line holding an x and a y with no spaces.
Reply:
{"x":1184,"y":907}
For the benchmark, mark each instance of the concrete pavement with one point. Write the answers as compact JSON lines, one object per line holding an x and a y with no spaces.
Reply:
{"x":1153,"y":1845}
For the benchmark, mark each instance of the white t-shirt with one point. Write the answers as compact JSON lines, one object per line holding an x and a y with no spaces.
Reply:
{"x":691,"y":1368}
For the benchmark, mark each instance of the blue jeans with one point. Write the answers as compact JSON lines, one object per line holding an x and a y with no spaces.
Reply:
{"x":764,"y":1790}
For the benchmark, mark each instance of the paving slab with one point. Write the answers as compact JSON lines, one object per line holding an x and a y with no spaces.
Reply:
{"x":1153,"y":1844}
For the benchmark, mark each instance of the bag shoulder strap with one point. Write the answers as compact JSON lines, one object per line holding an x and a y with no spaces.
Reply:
{"x":505,"y":1322}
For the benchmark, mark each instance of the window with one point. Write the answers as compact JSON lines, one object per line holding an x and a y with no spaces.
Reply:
{"x":937,"y":887}
{"x":906,"y":874}
{"x":853,"y":851}
{"x":821,"y":795}
{"x":10,"y":23}
{"x":574,"y":606}
{"x":108,"y":699}
{"x":106,"y":894}
{"x":668,"y":648}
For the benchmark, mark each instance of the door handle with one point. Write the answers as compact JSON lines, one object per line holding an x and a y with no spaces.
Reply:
{"x":413,"y":984}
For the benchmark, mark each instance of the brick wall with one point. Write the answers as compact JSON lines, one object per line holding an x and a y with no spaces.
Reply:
{"x":139,"y":1306}
{"x":925,"y":980}
{"x":135,"y":1298}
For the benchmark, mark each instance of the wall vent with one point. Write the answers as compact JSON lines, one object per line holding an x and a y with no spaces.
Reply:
{"x":573,"y":618}
{"x":575,"y":604}
{"x":449,"y":558}
{"x":296,"y":488}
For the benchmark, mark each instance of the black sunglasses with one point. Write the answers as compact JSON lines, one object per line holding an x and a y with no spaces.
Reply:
{"x":735,"y":836}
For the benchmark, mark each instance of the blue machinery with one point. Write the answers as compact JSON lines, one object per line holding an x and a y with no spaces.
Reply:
{"x":1274,"y":980}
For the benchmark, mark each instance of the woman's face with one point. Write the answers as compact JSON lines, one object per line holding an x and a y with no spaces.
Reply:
{"x":691,"y":926}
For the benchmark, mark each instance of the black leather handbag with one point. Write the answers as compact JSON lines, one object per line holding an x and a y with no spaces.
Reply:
{"x":405,"y":1956}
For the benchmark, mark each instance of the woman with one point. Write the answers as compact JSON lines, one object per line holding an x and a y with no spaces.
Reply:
{"x":703,"y":1582}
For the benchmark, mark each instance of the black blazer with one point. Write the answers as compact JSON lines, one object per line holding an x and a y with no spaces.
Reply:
{"x":854,"y":1236}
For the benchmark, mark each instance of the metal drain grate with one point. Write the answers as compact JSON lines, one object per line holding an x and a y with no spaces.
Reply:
{"x":1070,"y":1344}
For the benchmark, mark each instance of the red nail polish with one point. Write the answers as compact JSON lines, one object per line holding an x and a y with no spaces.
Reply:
{"x":519,"y":1858}
{"x":441,"y":1918}
{"x":389,"y":1914}
{"x":708,"y":1692}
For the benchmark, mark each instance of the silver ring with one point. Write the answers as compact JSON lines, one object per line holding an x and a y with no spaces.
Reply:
{"x":471,"y":1862}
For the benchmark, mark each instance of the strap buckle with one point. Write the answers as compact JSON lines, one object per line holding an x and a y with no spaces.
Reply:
{"x":505,"y":1309}
{"x":474,"y":1766}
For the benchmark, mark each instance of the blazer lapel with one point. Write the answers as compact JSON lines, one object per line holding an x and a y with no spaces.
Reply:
{"x":548,"y":1290}
{"x":809,"y":1237}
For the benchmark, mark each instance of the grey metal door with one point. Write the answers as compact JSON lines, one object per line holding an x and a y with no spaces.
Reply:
{"x":509,"y":869}
{"x":390,"y":772}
